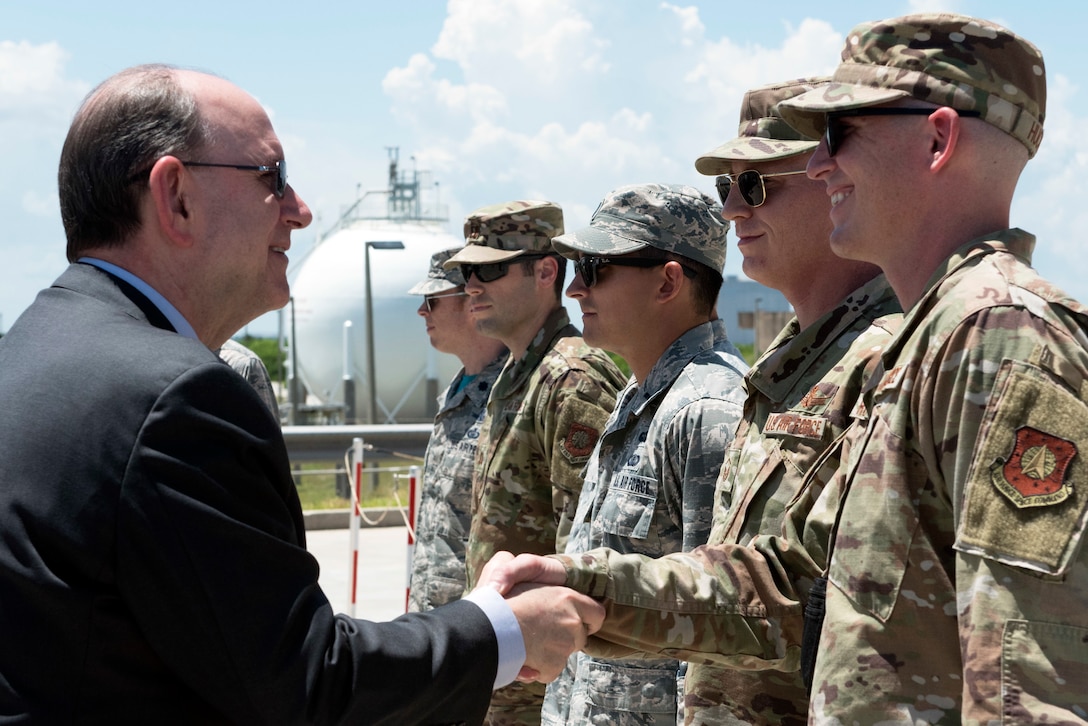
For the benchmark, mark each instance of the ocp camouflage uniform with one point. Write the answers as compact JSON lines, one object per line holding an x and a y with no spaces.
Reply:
{"x":649,"y":489}
{"x":959,"y":577}
{"x":544,"y":417}
{"x":445,"y":511}
{"x":800,"y":396}
{"x":958,"y":574}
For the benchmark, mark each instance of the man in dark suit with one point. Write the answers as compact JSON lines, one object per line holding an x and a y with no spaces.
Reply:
{"x":152,"y":552}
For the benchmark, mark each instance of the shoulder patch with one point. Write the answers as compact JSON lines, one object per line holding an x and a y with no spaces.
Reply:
{"x":1034,"y":473}
{"x":580,"y":440}
{"x":1023,"y":504}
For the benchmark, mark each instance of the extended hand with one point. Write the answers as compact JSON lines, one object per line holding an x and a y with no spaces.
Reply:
{"x":504,"y":571}
{"x":555,"y":622}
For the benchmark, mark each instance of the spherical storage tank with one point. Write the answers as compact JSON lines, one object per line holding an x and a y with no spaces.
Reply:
{"x":329,"y":290}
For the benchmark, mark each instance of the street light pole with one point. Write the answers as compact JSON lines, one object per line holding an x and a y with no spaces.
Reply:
{"x":372,"y":386}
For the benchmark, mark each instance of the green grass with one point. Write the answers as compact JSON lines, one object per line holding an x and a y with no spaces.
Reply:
{"x":319,"y":490}
{"x":748,"y":350}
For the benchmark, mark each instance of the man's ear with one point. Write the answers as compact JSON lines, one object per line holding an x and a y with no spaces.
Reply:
{"x":171,"y":199}
{"x":945,"y":126}
{"x":672,"y":281}
{"x":547,"y":271}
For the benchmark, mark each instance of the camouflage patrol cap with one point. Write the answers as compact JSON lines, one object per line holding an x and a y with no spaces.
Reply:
{"x":672,"y":217}
{"x":439,"y":279}
{"x":501,"y":232}
{"x":950,"y":60}
{"x":764,"y":135}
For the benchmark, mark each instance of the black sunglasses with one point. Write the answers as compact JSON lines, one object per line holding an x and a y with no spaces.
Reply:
{"x":749,"y":184}
{"x":279,"y":187}
{"x":491,"y":271}
{"x":429,"y":299}
{"x":587,"y":267}
{"x":833,"y":134}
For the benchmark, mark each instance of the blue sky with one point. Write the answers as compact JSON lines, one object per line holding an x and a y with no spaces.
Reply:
{"x":500,"y":99}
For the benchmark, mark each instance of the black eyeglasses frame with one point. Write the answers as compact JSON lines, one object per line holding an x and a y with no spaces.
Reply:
{"x":486,"y":271}
{"x":833,"y":130}
{"x":279,"y":187}
{"x":587,"y":266}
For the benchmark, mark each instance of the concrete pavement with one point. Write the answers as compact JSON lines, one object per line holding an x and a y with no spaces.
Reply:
{"x":381,"y":582}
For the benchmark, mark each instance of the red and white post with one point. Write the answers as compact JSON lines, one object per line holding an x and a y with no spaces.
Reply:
{"x":356,"y":514}
{"x":413,"y":508}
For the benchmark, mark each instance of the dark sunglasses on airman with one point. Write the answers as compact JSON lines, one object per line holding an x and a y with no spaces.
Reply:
{"x":833,"y":134}
{"x":749,"y":184}
{"x":279,"y":185}
{"x":588,"y":266}
{"x":491,"y":271}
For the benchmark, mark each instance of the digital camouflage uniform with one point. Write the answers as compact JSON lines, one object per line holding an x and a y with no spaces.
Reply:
{"x":649,"y":489}
{"x":650,"y":483}
{"x":445,"y":507}
{"x":800,"y":396}
{"x":544,"y":416}
{"x":441,"y":529}
{"x":959,"y":574}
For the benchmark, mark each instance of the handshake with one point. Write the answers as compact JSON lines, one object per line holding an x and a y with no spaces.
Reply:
{"x":555,"y":620}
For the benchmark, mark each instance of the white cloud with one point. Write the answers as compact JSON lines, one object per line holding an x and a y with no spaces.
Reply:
{"x":504,"y":124}
{"x":690,"y":24}
{"x":32,"y":78}
{"x":414,"y":88}
{"x":726,"y":68}
{"x":524,"y":44}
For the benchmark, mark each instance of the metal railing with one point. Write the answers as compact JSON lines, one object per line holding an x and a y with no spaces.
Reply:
{"x":328,"y":443}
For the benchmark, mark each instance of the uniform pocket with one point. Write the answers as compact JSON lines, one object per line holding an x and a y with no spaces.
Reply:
{"x":610,"y":687}
{"x":878,"y":524}
{"x":1043,"y":673}
{"x":628,"y":507}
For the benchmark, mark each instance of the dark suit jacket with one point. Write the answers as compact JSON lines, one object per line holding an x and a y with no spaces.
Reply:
{"x":152,"y":553}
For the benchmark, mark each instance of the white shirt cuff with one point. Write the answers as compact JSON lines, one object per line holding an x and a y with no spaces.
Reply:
{"x":507,"y":633}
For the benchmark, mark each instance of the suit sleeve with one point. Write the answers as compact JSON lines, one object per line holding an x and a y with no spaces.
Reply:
{"x":212,"y":562}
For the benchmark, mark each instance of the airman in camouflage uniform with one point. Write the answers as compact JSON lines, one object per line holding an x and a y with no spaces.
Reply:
{"x":650,"y":482}
{"x":441,"y":527}
{"x":546,"y":410}
{"x":958,"y":580}
{"x":803,"y":388}
{"x":958,"y":574}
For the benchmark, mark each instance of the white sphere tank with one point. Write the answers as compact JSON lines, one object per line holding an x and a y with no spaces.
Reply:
{"x":329,"y":290}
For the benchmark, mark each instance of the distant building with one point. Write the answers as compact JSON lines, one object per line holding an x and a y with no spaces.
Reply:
{"x":742,"y":302}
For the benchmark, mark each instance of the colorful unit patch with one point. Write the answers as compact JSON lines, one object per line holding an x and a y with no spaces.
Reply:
{"x":580,"y":440}
{"x":1034,"y":474}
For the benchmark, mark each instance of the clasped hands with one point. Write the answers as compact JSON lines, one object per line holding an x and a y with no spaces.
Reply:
{"x":555,"y":620}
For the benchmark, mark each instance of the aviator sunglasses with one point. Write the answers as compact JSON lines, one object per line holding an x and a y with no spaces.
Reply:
{"x":833,"y":133}
{"x":491,"y":271}
{"x":749,"y":184}
{"x":587,"y":267}
{"x":279,"y":187}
